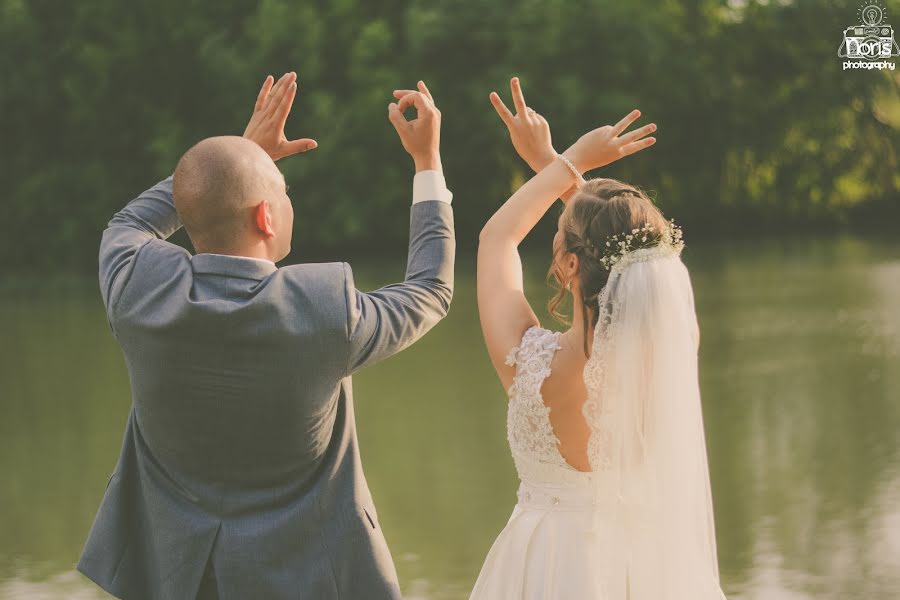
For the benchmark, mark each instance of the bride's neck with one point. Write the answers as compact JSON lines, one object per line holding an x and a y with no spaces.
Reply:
{"x":580,"y":321}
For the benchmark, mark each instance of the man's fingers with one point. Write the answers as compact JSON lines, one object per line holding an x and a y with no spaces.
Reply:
{"x":518,"y":99}
{"x":278,"y":92}
{"x":301,"y":145}
{"x":424,"y":89}
{"x":636,"y":146}
{"x":395,"y":114}
{"x":416,"y":99}
{"x":501,"y":109}
{"x":637,"y":134}
{"x":264,"y":92}
{"x":406,"y":101}
{"x":283,"y":109}
{"x":275,"y":90}
{"x":625,"y":122}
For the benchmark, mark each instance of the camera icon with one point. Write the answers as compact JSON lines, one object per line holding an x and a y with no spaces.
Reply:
{"x":869,"y":42}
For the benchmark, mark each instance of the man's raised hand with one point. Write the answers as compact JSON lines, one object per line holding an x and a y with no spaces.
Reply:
{"x":421,"y":137}
{"x":266,"y":126}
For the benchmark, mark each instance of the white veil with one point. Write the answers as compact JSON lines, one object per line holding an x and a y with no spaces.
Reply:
{"x":654,"y":521}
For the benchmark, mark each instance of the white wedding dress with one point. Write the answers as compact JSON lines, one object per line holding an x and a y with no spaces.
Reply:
{"x":639,"y":525}
{"x":548,"y":548}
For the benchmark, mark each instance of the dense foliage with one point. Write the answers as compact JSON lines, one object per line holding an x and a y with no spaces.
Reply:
{"x":759,"y":126}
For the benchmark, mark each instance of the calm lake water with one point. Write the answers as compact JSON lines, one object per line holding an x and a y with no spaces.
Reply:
{"x":800,"y":373}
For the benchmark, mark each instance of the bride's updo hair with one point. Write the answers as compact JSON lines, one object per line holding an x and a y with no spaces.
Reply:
{"x":601,"y":208}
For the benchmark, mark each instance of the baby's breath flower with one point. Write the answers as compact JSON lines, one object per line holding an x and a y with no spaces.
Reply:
{"x":619,"y":245}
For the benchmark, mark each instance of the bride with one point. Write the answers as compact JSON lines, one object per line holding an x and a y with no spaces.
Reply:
{"x":604,"y":420}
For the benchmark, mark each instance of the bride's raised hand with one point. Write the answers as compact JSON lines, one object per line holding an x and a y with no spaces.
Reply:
{"x":609,"y":143}
{"x":528,"y":130}
{"x":266,"y":126}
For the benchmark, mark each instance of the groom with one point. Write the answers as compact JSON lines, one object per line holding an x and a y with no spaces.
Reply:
{"x":240,"y":476}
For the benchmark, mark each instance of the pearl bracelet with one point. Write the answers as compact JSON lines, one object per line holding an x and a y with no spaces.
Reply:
{"x":570,"y":165}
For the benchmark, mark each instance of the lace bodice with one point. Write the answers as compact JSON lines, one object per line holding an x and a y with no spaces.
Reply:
{"x":532,"y":441}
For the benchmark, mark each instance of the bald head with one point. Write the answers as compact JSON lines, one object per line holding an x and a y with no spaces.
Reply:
{"x":218,"y":186}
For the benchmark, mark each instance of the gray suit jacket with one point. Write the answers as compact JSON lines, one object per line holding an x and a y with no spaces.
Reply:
{"x":241,"y":448}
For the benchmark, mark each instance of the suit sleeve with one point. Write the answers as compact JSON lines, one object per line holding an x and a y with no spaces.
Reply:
{"x":150,"y":216}
{"x":385,"y":321}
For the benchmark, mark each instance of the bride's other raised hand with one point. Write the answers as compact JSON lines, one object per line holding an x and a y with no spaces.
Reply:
{"x":528,"y":129}
{"x":609,"y":143}
{"x":529,"y":132}
{"x":266,"y":126}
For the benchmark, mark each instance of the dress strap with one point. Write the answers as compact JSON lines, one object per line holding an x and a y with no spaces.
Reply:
{"x":532,"y":357}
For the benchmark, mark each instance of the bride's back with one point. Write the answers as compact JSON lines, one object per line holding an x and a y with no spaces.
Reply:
{"x":564,"y":393}
{"x":545,"y":420}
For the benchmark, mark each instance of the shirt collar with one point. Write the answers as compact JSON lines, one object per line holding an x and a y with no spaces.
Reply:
{"x":246,"y":267}
{"x":264,"y":261}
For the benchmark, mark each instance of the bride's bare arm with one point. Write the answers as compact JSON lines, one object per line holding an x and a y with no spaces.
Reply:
{"x":503,"y":309}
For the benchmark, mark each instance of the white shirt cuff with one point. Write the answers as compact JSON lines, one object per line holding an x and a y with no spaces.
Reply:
{"x":430,"y":185}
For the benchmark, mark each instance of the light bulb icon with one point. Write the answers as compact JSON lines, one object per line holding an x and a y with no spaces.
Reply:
{"x":871,"y":15}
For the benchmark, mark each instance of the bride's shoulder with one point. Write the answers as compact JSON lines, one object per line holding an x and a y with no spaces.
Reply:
{"x":535,"y":339}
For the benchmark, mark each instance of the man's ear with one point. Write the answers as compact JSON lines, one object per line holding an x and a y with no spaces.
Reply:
{"x":263,"y":215}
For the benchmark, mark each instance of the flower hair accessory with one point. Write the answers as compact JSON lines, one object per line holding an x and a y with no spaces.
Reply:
{"x":620,"y":245}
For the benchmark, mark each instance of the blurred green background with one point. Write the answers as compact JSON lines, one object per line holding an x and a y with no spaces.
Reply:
{"x":781,"y":166}
{"x":760,"y":129}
